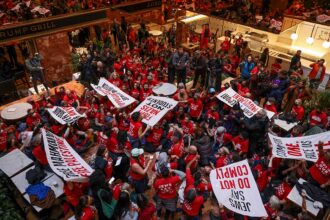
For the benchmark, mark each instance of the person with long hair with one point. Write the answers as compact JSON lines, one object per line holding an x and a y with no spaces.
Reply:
{"x":125,"y":209}
{"x":85,"y":210}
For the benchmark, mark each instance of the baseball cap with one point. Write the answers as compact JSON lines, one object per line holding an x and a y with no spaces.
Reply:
{"x":137,"y":152}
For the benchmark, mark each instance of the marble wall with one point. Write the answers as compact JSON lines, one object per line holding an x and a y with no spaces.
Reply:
{"x":56,"y":50}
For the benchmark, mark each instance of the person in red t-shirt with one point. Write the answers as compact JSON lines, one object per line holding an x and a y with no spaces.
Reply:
{"x":73,"y":191}
{"x":166,"y":187}
{"x":145,"y":92}
{"x":147,"y":209}
{"x":283,"y":190}
{"x":136,"y":132}
{"x":40,"y":155}
{"x":177,"y":149}
{"x":192,"y":152}
{"x":241,"y":143}
{"x":195,"y":107}
{"x":187,"y":125}
{"x":192,"y":202}
{"x":270,"y":105}
{"x":320,"y":171}
{"x":275,"y":68}
{"x":225,"y":45}
{"x":298,"y":110}
{"x":318,"y":118}
{"x":3,"y":140}
{"x":85,"y":210}
{"x":153,"y":139}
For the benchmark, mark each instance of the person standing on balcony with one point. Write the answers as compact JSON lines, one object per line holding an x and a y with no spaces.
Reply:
{"x":33,"y":65}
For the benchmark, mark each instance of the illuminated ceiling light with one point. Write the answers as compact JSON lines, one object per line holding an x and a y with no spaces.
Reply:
{"x":310,"y":40}
{"x":326,"y":44}
{"x":294,"y":36}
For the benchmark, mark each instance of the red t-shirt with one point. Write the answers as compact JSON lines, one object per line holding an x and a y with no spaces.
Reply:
{"x":241,"y":144}
{"x":225,"y":46}
{"x":102,"y":139}
{"x":88,"y":214}
{"x":193,"y":208}
{"x":299,"y":111}
{"x":222,"y":161}
{"x":3,"y":140}
{"x":271,"y":108}
{"x":320,"y":171}
{"x":40,"y":155}
{"x":317,"y":118}
{"x":135,"y":93}
{"x":144,"y":94}
{"x":155,"y":136}
{"x":177,"y":149}
{"x":135,"y":176}
{"x":134,"y":128}
{"x":166,"y":188}
{"x":123,"y":124}
{"x":148,"y":212}
{"x":196,"y":108}
{"x":283,"y":191}
{"x":212,"y":114}
{"x":189,"y":158}
{"x":187,"y":127}
{"x":74,"y":194}
{"x":275,"y":68}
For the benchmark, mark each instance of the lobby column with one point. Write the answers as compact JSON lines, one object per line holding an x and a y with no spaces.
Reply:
{"x":56,"y":50}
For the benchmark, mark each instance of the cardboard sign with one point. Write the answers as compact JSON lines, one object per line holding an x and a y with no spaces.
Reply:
{"x":235,"y":188}
{"x":118,"y":98}
{"x":296,"y":198}
{"x":153,"y":108}
{"x":63,"y":160}
{"x":249,"y":108}
{"x":305,"y":147}
{"x":65,"y":115}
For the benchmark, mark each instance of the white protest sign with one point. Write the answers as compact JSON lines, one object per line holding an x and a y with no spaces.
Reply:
{"x":153,"y":108}
{"x":63,"y":160}
{"x":118,"y":98}
{"x":65,"y":115}
{"x":99,"y":89}
{"x":235,"y":188}
{"x":305,"y":147}
{"x":249,"y":108}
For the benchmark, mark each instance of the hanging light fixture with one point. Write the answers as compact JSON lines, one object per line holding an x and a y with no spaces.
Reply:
{"x":326,"y":44}
{"x":294,"y":35}
{"x":310,"y":39}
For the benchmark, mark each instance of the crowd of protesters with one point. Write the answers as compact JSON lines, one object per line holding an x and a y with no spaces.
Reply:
{"x":200,"y":134}
{"x":13,"y":11}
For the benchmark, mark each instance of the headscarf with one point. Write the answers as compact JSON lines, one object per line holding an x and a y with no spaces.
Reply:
{"x":219,"y":133}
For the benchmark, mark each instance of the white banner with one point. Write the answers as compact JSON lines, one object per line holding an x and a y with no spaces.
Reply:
{"x":235,"y":188}
{"x":118,"y":98}
{"x":65,"y":115}
{"x":153,"y":108}
{"x":305,"y":147}
{"x":249,"y":108}
{"x":63,"y":160}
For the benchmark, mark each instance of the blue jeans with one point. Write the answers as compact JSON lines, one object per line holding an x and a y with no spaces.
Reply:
{"x":135,"y":142}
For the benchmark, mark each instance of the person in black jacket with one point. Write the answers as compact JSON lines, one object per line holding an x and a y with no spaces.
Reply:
{"x":200,"y":66}
{"x":215,"y":68}
{"x":257,"y":127}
